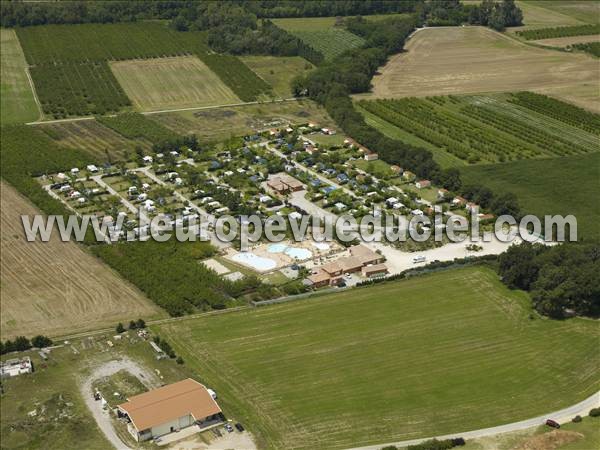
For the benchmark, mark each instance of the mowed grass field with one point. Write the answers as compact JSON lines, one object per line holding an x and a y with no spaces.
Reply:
{"x":442,"y":353}
{"x":322,"y":34}
{"x":55,"y":287}
{"x":554,"y":186}
{"x":17,"y":104}
{"x":102,"y":143}
{"x":475,"y":59}
{"x":278,"y":71}
{"x":164,"y":83}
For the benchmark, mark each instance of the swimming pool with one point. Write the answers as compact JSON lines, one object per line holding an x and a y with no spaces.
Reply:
{"x":293,"y":252}
{"x":298,"y":253}
{"x":277,"y":248}
{"x":256,"y":262}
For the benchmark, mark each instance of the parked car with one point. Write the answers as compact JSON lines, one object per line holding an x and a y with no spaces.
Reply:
{"x":239,"y":427}
{"x":229,"y":428}
{"x":552,"y":423}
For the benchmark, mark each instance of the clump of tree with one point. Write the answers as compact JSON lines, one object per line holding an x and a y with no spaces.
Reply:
{"x":491,"y":13}
{"x":496,"y":15}
{"x":137,"y":324}
{"x":165,"y":347}
{"x":562,"y":280}
{"x":21,"y":343}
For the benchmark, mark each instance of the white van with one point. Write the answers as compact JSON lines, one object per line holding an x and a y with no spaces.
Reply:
{"x":419,"y":259}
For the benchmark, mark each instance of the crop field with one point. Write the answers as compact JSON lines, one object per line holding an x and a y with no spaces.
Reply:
{"x":90,"y":136}
{"x":322,"y":34}
{"x":489,"y":129}
{"x":235,"y":74}
{"x":78,"y":89}
{"x":17,"y":101}
{"x":50,"y":44}
{"x":164,"y":83}
{"x":569,"y":41}
{"x":137,"y":126}
{"x":278,"y":71}
{"x":475,"y":59}
{"x":565,"y":11}
{"x":554,"y":186}
{"x":56,"y":287}
{"x":214,"y":125}
{"x":558,"y":32}
{"x":391,"y":362}
{"x":72,"y":76}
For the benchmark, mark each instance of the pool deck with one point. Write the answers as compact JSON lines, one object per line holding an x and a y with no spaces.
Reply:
{"x":280,"y":257}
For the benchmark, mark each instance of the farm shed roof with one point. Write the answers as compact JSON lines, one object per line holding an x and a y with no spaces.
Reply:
{"x":170,"y":402}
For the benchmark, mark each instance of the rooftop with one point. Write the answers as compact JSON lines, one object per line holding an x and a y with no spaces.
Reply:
{"x":169,"y":402}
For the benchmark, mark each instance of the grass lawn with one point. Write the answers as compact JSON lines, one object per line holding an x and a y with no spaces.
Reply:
{"x":378,"y":168}
{"x":278,"y":71}
{"x":553,"y":186}
{"x":328,"y":139}
{"x":17,"y":102}
{"x":179,"y":82}
{"x":122,"y":383}
{"x":389,"y":362}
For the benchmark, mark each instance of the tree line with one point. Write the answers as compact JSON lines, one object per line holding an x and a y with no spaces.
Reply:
{"x":22,"y":14}
{"x":491,"y":13}
{"x":21,"y":343}
{"x":562,"y":280}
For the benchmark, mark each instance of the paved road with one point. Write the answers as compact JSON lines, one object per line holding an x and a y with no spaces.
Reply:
{"x":564,"y":415}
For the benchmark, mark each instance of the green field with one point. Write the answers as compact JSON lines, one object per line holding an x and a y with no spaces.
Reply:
{"x":278,"y":71}
{"x":178,"y":82}
{"x":322,"y":34}
{"x":488,"y":129}
{"x":101,"y":142}
{"x":17,"y":102}
{"x":50,"y":44}
{"x":442,"y":157}
{"x":441,"y":353}
{"x":136,"y":126}
{"x":555,"y":186}
{"x":214,"y":125}
{"x":71,"y":73}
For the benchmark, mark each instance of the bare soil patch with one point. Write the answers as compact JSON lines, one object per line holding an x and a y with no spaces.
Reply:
{"x":549,"y":441}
